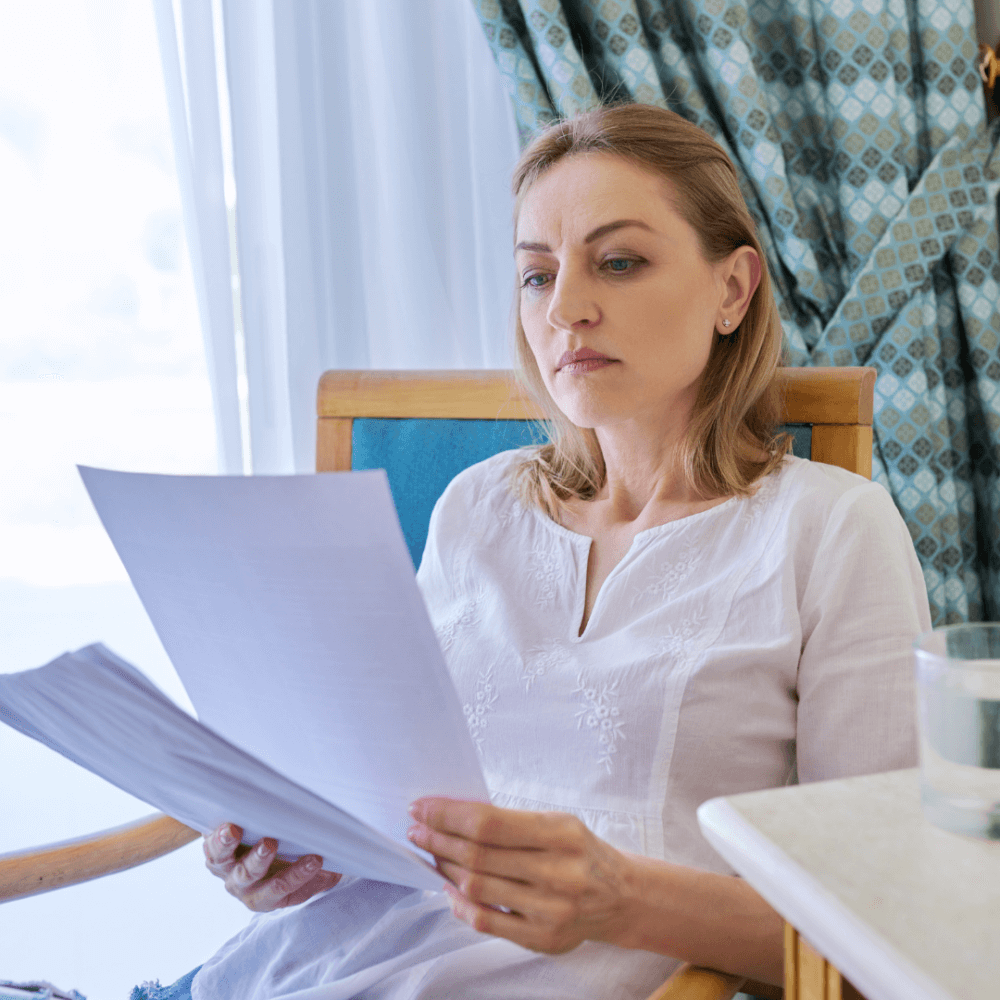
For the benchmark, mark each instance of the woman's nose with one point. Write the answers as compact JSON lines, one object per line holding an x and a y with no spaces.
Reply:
{"x":572,"y":304}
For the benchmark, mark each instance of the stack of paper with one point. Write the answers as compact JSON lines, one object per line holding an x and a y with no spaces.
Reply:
{"x":289,"y":609}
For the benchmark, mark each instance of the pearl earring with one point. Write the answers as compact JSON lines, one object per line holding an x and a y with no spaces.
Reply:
{"x":725,"y":322}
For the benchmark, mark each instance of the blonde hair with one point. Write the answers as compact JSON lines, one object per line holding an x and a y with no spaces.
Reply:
{"x":730,"y":441}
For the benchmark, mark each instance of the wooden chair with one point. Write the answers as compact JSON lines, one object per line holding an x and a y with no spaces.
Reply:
{"x":829,"y":412}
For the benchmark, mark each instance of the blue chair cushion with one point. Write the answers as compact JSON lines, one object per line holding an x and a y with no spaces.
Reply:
{"x":421,"y":456}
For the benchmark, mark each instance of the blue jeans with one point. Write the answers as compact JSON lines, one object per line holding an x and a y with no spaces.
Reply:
{"x":181,"y":990}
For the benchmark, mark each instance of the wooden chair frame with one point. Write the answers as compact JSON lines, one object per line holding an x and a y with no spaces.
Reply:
{"x":837,"y":402}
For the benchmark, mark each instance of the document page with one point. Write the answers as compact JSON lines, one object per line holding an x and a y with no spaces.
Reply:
{"x":102,"y":713}
{"x":289,"y":608}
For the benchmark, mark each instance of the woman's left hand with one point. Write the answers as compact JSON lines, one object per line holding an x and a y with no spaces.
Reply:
{"x":560,"y":883}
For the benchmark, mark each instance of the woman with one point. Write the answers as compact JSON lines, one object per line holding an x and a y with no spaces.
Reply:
{"x":656,"y":608}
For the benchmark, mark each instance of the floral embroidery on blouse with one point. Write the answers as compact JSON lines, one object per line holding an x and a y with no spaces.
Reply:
{"x":477,"y":712}
{"x":669,"y":576}
{"x":542,"y":659}
{"x":466,"y":617}
{"x":543,"y":570}
{"x":600,"y":712}
{"x":676,"y":638}
{"x":754,"y":507}
{"x":509,"y":514}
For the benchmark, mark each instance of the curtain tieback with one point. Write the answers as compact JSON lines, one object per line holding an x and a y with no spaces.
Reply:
{"x":989,"y":67}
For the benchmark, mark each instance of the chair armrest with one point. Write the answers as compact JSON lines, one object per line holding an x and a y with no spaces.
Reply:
{"x":692,"y":983}
{"x":52,"y":866}
{"x":756,"y":989}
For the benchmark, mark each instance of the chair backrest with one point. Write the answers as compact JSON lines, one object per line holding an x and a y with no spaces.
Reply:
{"x":424,"y":427}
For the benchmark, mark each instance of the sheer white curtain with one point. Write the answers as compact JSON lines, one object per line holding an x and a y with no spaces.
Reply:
{"x":101,"y":363}
{"x":192,"y":98}
{"x":372,"y":145}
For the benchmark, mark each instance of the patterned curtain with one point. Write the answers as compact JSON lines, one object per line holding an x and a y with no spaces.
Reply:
{"x":858,"y":128}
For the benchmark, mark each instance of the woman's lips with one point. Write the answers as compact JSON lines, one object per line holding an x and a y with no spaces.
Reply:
{"x":583,"y":360}
{"x":586,"y":365}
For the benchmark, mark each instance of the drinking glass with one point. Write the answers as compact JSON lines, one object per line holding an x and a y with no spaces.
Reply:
{"x":958,"y":705}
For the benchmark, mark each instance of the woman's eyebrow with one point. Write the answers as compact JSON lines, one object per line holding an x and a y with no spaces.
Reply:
{"x":610,"y":227}
{"x":595,"y":234}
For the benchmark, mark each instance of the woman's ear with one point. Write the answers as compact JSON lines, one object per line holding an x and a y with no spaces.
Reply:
{"x":741,"y":273}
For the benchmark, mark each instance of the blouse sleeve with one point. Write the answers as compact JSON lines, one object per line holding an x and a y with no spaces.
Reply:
{"x":431,"y":575}
{"x":438,"y":577}
{"x":864,"y":603}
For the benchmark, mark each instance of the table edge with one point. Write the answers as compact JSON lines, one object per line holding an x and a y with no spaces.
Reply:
{"x":859,"y":952}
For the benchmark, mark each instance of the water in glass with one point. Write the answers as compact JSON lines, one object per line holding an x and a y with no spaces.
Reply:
{"x":958,"y":700}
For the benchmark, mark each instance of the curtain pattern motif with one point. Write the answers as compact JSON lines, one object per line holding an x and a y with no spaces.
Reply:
{"x":858,"y":130}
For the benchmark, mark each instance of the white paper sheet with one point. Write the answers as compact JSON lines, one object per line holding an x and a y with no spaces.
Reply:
{"x":289,"y":608}
{"x":99,"y":711}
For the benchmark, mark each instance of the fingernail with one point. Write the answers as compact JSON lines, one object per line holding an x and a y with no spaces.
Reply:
{"x":311,"y":864}
{"x":226,"y":835}
{"x":262,"y":850}
{"x":413,"y":809}
{"x":411,"y":834}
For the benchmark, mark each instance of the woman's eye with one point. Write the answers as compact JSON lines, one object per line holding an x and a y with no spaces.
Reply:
{"x":536,"y":280}
{"x":619,"y":265}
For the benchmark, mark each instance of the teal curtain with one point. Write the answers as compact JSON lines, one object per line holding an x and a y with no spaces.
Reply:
{"x":858,"y":128}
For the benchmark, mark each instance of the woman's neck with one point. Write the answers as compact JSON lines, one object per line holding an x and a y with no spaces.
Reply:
{"x":644,"y":476}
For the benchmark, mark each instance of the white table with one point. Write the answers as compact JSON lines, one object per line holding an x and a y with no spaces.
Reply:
{"x":904,"y":910}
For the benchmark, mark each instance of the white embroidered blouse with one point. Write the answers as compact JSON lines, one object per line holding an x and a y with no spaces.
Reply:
{"x":763,"y":641}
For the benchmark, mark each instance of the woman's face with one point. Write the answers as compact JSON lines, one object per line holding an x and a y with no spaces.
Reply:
{"x":609,"y":269}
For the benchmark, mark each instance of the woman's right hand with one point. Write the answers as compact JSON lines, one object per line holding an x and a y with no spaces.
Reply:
{"x":256,"y":877}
